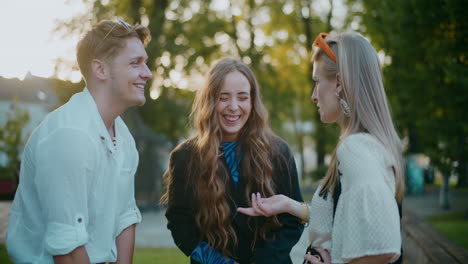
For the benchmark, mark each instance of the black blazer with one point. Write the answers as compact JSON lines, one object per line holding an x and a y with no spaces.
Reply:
{"x":181,"y":210}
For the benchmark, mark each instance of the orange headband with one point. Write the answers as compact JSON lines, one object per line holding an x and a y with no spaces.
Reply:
{"x":320,"y":42}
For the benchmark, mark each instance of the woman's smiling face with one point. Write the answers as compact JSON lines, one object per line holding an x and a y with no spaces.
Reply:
{"x":234,"y":105}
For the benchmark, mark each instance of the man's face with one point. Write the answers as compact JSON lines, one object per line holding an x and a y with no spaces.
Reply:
{"x":129,"y":73}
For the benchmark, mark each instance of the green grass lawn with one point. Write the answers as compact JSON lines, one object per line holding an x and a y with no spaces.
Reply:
{"x":142,"y":256}
{"x":4,"y":259}
{"x":159,"y":255}
{"x":454,"y":226}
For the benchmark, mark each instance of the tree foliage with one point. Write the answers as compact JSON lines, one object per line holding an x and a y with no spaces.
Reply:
{"x":274,"y":37}
{"x":427,"y":76}
{"x":11,"y":139}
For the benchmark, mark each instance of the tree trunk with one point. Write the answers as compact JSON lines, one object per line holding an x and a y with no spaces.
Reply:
{"x":319,"y":127}
{"x":251,"y":51}
{"x":156,"y":25}
{"x":462,"y":169}
{"x":320,"y":136}
{"x":134,"y":11}
{"x":444,"y":193}
{"x":320,"y":141}
{"x":329,"y":17}
{"x":299,"y":136}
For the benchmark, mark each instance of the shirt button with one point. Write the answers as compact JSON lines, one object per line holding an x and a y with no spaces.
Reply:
{"x":103,"y":138}
{"x":80,"y":220}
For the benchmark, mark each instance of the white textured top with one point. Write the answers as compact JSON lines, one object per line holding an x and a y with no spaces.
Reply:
{"x":75,"y":187}
{"x":366,"y":220}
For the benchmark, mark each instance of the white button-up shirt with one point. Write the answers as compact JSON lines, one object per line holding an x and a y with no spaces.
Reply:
{"x":76,"y":188}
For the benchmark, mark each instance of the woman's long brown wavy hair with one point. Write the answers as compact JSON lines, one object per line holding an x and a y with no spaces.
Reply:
{"x":209,"y":176}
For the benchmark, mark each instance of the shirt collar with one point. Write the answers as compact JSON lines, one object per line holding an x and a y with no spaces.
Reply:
{"x":100,"y":126}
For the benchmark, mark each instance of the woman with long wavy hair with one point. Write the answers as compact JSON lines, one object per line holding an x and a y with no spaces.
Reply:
{"x":354,"y":213}
{"x":233,"y":153}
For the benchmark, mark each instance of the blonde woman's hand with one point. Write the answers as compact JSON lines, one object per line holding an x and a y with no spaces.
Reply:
{"x":273,"y":205}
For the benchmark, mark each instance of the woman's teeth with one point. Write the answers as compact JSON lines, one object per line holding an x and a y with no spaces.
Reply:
{"x":232,"y":118}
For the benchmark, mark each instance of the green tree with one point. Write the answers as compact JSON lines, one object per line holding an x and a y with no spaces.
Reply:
{"x":189,"y":35}
{"x":183,"y":44}
{"x":11,"y":140}
{"x":427,"y":75}
{"x":325,"y":135}
{"x":294,"y":30}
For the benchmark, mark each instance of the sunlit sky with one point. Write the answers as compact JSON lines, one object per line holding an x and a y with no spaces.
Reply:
{"x":28,"y":42}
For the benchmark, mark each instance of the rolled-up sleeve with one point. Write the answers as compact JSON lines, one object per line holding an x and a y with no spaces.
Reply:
{"x":65,"y":159}
{"x":61,"y":238}
{"x":130,"y":216}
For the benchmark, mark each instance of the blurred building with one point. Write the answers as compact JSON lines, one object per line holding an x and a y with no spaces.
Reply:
{"x":33,"y":94}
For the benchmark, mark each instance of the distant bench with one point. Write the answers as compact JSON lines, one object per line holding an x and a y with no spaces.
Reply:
{"x":423,"y":244}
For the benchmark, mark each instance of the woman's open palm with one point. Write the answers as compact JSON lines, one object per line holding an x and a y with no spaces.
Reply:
{"x":273,"y":205}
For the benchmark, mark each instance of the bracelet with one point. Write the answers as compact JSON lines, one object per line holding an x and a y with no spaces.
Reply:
{"x":305,"y":214}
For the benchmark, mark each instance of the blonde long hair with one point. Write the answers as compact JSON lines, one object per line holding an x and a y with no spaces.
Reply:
{"x":209,"y":176}
{"x":361,"y":78}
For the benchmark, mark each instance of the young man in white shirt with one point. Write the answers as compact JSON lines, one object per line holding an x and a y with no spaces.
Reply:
{"x":75,"y":201}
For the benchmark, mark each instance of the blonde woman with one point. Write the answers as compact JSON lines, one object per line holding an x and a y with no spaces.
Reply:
{"x":232,"y":154}
{"x":354,"y":215}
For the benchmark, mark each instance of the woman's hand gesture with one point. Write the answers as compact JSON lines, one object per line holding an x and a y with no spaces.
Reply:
{"x":273,"y":205}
